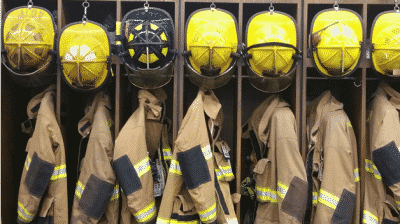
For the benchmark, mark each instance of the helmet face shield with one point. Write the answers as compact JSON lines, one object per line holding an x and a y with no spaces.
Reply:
{"x":28,"y":40}
{"x":271,"y":54}
{"x":336,"y":42}
{"x":149,"y":47}
{"x":211,"y":39}
{"x":84,"y":52}
{"x":385,"y":38}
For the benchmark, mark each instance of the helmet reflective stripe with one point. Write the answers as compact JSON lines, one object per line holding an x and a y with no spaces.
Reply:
{"x":386,"y":43}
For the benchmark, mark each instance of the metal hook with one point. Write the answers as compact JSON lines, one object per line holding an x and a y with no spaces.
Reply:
{"x":336,"y":6}
{"x":396,"y":6}
{"x":146,"y":6}
{"x":85,"y":5}
{"x":30,"y":4}
{"x":356,"y":84}
{"x":271,"y":8}
{"x":212,"y":6}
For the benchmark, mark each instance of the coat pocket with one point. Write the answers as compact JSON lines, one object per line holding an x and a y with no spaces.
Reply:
{"x":46,"y":213}
{"x":295,"y":200}
{"x":264,"y":193}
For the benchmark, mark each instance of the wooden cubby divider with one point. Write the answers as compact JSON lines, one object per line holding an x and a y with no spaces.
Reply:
{"x":238,"y":97}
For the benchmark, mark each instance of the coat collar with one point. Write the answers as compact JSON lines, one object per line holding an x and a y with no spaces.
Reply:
{"x":153,"y":101}
{"x":318,"y":109}
{"x":86,"y":123}
{"x":34,"y":103}
{"x":388,"y":92}
{"x":211,"y":104}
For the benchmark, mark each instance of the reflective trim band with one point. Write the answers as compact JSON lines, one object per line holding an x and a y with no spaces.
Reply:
{"x":314,"y":198}
{"x":398,"y":205}
{"x":356,"y":175}
{"x":174,"y":221}
{"x":79,"y":189}
{"x":328,"y":199}
{"x":369,"y":218}
{"x":23,"y":214}
{"x":224,"y":172}
{"x":27,"y":162}
{"x":175,"y":168}
{"x":59,"y":172}
{"x":147,"y":213}
{"x":266,"y":195}
{"x":207,"y":152}
{"x":282,"y":190}
{"x":349,"y":124}
{"x":209,"y":213}
{"x":167,"y":153}
{"x":162,"y":221}
{"x":142,"y":167}
{"x":371,"y":168}
{"x":232,"y":221}
{"x":115,"y":195}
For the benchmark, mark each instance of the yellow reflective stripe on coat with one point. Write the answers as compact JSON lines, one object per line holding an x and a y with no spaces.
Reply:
{"x":209,"y":213}
{"x":175,"y":168}
{"x":162,"y":221}
{"x":266,"y":195}
{"x":369,"y":218}
{"x":174,"y":221}
{"x":207,"y":152}
{"x":371,"y":168}
{"x":356,"y":175}
{"x":115,"y":195}
{"x":224,"y":172}
{"x":142,"y":167}
{"x":23,"y":214}
{"x":27,"y":162}
{"x":314,"y":198}
{"x":282,"y":189}
{"x":398,"y":205}
{"x":328,"y":199}
{"x":59,"y":172}
{"x":147,"y":213}
{"x":79,"y":189}
{"x":167,"y":153}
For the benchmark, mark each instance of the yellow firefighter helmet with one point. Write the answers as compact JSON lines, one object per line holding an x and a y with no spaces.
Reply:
{"x":270,"y":53}
{"x":28,"y":41}
{"x":210,"y":47}
{"x":336,"y":41}
{"x":84,"y":51}
{"x":386,"y":43}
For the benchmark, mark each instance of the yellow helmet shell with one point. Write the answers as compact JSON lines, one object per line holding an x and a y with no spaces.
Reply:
{"x":211,"y":32}
{"x":84,"y":51}
{"x":336,"y":38}
{"x":386,"y":41}
{"x":264,"y":28}
{"x":28,"y":38}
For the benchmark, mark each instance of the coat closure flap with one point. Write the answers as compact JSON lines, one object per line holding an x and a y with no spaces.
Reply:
{"x":261,"y":166}
{"x":391,"y":203}
{"x":186,"y":205}
{"x":47,"y":202}
{"x":34,"y":103}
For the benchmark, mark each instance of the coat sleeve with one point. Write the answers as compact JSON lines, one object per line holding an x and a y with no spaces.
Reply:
{"x":96,"y":191}
{"x":37,"y":172}
{"x":337,"y":194}
{"x":291,"y":173}
{"x":386,"y":154}
{"x":133,"y":170}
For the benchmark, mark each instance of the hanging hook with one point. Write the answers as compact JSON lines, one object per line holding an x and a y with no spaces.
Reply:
{"x":336,"y":6}
{"x":85,"y":7}
{"x":357,"y":85}
{"x":212,"y":6}
{"x":271,"y":8}
{"x":30,"y":4}
{"x":396,"y":6}
{"x":146,"y":6}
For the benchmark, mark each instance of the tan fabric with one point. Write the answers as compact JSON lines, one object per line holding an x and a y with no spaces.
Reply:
{"x":382,"y":127}
{"x":334,"y":163}
{"x":139,"y":140}
{"x":97,"y":162}
{"x":275,"y":127}
{"x":47,"y":143}
{"x":193,"y":133}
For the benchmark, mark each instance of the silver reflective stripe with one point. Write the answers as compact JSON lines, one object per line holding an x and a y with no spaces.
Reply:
{"x":206,"y":215}
{"x":369,"y":218}
{"x":145,"y":215}
{"x":24,"y":215}
{"x":142,"y":167}
{"x":79,"y":189}
{"x":267,"y":194}
{"x":207,"y":152}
